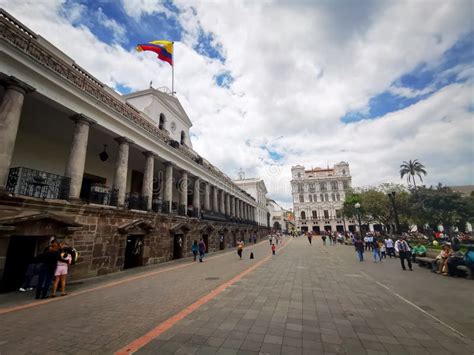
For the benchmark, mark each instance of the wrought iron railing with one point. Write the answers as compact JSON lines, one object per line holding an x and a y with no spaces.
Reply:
{"x":135,"y":201}
{"x":102,"y":195}
{"x":36,"y":183}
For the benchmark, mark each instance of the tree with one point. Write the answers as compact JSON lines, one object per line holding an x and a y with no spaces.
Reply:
{"x":412,"y":169}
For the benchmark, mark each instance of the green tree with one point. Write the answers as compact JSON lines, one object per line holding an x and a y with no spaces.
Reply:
{"x":412,"y":169}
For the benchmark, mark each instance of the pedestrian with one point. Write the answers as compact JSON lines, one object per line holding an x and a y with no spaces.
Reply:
{"x":48,"y":261}
{"x":61,"y":271}
{"x":254,"y":239}
{"x":323,"y":237}
{"x":29,"y":274}
{"x":202,"y":249}
{"x":403,"y":250}
{"x":383,"y":250}
{"x":270,"y":238}
{"x":240,"y":248}
{"x":310,"y":238}
{"x":376,"y":249}
{"x":195,"y":249}
{"x":359,"y":247}
{"x":389,"y":245}
{"x":366,"y":242}
{"x":273,"y":249}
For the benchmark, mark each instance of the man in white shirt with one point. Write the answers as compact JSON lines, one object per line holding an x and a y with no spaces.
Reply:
{"x":366,"y":242}
{"x":389,"y":245}
{"x":403,"y":250}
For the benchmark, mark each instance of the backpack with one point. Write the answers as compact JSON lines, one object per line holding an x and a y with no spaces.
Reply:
{"x":74,"y":254}
{"x":469,"y":257}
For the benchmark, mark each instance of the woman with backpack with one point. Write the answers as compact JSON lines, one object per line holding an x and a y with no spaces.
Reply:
{"x":195,"y":249}
{"x":61,"y":270}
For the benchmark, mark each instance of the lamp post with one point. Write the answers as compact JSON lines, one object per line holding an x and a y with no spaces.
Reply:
{"x":391,"y":196}
{"x":357,"y":207}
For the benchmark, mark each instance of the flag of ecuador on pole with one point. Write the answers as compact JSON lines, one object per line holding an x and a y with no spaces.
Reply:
{"x":164,"y":49}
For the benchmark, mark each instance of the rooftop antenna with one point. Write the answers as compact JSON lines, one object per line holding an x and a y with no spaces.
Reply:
{"x":241,"y":174}
{"x":151,"y":84}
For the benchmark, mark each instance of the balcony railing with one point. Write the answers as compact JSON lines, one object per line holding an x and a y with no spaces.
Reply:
{"x":34,"y":183}
{"x":103,"y":195}
{"x":135,"y":201}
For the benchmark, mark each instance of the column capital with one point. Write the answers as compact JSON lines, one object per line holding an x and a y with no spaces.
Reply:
{"x":149,"y":153}
{"x":10,"y":82}
{"x":169,"y":163}
{"x":80,"y":118}
{"x":123,"y":140}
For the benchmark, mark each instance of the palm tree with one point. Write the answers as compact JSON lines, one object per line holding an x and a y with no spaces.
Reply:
{"x":411,"y":169}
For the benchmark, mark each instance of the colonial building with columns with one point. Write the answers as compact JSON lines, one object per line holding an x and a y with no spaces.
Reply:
{"x":114,"y":176}
{"x":257,"y":189}
{"x":318,"y":198}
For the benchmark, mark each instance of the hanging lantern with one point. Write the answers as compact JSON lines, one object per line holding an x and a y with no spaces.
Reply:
{"x":104,"y":156}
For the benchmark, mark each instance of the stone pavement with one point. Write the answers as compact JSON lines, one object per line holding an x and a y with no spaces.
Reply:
{"x":307,"y":299}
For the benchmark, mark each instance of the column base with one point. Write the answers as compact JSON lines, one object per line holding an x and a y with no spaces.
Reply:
{"x":182,"y":210}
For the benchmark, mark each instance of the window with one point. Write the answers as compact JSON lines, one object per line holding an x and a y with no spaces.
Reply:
{"x":300,"y":187}
{"x":315,"y":198}
{"x":299,"y":175}
{"x":311,"y":187}
{"x":301,"y":198}
{"x":303,"y":215}
{"x":183,"y":138}
{"x":322,"y":186}
{"x":334,"y":185}
{"x":315,"y":214}
{"x":345,"y":184}
{"x":343,"y":171}
{"x":338,"y":197}
{"x":333,"y":196}
{"x":326,"y":197}
{"x":338,"y":214}
{"x":326,"y":214}
{"x":321,"y":197}
{"x":161,"y":125}
{"x":310,"y":198}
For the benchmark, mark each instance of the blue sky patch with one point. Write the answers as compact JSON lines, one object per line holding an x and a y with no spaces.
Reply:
{"x":224,"y":80}
{"x":206,"y":46}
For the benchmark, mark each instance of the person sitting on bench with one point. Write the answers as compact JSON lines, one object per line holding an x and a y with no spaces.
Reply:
{"x":439,"y":264}
{"x":418,"y":250}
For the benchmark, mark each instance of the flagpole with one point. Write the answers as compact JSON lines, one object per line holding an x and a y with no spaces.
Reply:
{"x":172,"y":74}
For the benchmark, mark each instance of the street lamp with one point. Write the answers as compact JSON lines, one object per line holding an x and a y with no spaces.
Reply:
{"x":357,"y":207}
{"x":391,"y":196}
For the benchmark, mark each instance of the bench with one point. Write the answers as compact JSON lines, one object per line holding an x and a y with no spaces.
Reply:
{"x":428,"y":259}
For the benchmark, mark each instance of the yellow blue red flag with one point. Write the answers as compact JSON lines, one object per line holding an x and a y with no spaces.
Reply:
{"x":164,"y":49}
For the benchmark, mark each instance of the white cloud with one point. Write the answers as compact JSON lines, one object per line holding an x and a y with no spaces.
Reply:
{"x":118,"y":31}
{"x":297,"y":69}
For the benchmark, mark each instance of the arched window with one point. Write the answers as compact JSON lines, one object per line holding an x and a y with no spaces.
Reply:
{"x":321,"y":197}
{"x":343,"y":171}
{"x":183,"y":138}
{"x":333,"y":196}
{"x":310,"y":198}
{"x":326,"y":197}
{"x":299,"y":175}
{"x":338,"y":197}
{"x":315,"y":198}
{"x":303,"y":215}
{"x":301,"y":198}
{"x":161,"y":125}
{"x":322,"y":186}
{"x":334,"y":185}
{"x":315,"y":214}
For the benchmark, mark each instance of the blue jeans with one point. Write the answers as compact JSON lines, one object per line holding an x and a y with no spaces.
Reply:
{"x":360,"y":254}
{"x":377,"y":253}
{"x":201,"y":255}
{"x":45,"y":278}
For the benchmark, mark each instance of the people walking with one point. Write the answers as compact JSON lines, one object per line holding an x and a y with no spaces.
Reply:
{"x":61,"y":271}
{"x":240,"y":248}
{"x":383,"y":250}
{"x":389,"y":245}
{"x":195,"y":249}
{"x":403,"y":250}
{"x":376,"y":249}
{"x":359,"y":247}
{"x":202,"y":249}
{"x":47,"y":266}
{"x":270,"y":239}
{"x":323,"y":237}
{"x":310,"y":238}
{"x":273,"y":249}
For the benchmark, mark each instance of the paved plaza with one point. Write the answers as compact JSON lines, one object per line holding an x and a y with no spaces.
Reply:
{"x":306,"y":299}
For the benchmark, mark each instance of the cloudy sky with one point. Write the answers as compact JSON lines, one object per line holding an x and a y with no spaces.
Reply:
{"x":271,"y":84}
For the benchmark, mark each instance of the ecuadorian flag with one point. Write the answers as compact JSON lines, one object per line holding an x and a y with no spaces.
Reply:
{"x":164,"y":49}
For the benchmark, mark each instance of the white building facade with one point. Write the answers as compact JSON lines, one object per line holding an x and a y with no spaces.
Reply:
{"x":318,"y":198}
{"x":278,"y":216}
{"x":256,"y":188}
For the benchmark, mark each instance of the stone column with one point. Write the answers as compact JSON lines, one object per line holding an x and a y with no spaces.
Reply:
{"x":222,"y":201}
{"x":227,"y":205}
{"x":241,"y":213}
{"x":10,"y":112}
{"x":183,"y":194}
{"x":121,"y":169}
{"x":215,"y":205}
{"x":197,"y":198}
{"x":168,"y":188}
{"x":232,"y":206}
{"x":147,"y":189}
{"x":207,"y":197}
{"x":77,"y":155}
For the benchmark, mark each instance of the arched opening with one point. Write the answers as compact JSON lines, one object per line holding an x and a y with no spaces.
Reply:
{"x":161,"y":124}
{"x":277,"y":226}
{"x":183,"y":138}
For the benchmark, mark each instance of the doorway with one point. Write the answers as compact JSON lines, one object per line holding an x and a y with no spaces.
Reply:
{"x":20,"y":253}
{"x":340,"y":228}
{"x":205,"y":239}
{"x":317,"y":230}
{"x":178,"y":241}
{"x":221,"y":242}
{"x":328,"y":228}
{"x":234,"y":239}
{"x":133,"y":252}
